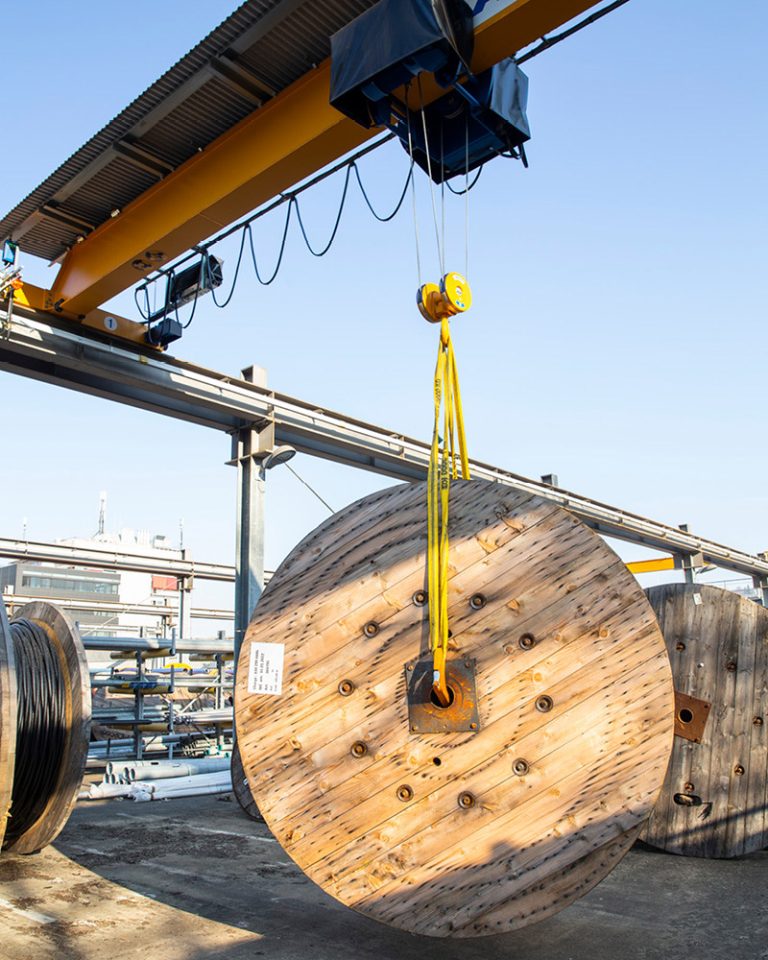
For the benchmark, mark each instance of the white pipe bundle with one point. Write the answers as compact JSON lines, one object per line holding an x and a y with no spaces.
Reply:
{"x":167,"y":769}
{"x":106,"y":791}
{"x":198,"y":785}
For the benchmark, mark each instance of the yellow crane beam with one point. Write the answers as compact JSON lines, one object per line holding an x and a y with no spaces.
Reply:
{"x":281,"y":143}
{"x":656,"y":565}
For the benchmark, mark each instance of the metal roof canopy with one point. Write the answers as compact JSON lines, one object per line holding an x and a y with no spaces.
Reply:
{"x":258,"y":51}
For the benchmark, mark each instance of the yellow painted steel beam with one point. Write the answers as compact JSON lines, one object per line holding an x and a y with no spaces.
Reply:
{"x":652,"y":566}
{"x":110,"y":324}
{"x":281,"y":143}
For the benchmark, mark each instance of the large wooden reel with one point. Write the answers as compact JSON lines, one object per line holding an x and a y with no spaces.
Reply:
{"x":474,"y":830}
{"x":714,"y":802}
{"x":65,"y":641}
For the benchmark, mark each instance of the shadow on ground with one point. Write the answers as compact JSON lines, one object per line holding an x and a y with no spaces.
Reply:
{"x":197,"y":880}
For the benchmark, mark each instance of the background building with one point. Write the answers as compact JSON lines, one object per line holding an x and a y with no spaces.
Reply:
{"x":107,"y":602}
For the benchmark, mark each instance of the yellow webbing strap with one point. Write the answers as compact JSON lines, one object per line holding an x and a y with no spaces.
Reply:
{"x":442,"y":469}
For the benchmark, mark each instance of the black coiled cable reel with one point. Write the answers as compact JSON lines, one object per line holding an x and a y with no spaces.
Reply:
{"x":45,"y":721}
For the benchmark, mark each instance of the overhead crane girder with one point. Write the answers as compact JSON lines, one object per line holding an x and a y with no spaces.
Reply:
{"x":279,"y":144}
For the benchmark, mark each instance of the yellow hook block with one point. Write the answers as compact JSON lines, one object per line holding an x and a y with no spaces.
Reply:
{"x":451,"y":297}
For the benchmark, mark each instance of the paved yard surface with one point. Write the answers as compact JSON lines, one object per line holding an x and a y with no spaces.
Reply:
{"x":195,"y":879}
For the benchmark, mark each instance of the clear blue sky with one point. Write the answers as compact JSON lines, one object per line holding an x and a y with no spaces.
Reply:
{"x":618,"y":332}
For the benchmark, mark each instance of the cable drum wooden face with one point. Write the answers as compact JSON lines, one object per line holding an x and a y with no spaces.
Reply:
{"x":471,"y":831}
{"x":714,"y":802}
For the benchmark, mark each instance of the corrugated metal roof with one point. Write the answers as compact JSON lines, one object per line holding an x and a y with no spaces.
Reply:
{"x":260,"y":49}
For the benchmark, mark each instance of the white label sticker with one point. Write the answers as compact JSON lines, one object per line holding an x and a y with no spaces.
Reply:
{"x":697,"y":598}
{"x":265,"y":671}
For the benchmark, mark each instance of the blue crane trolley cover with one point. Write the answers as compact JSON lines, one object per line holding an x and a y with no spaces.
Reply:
{"x":386,"y":46}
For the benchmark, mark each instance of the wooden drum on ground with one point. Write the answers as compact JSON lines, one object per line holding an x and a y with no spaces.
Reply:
{"x":502,"y":808}
{"x":45,"y":713}
{"x":714,"y":802}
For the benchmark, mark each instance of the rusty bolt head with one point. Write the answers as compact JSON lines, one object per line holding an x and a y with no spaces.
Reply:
{"x":371,"y":629}
{"x":420,"y":598}
{"x":688,"y":787}
{"x":346,"y":687}
{"x":730,"y":666}
{"x":404,"y":793}
{"x":757,"y":721}
{"x":466,"y":800}
{"x":680,"y":646}
{"x":477,"y":601}
{"x":358,"y":749}
{"x":544,"y":703}
{"x":473,"y":726}
{"x":520,"y":767}
{"x":527,"y":641}
{"x":738,"y":770}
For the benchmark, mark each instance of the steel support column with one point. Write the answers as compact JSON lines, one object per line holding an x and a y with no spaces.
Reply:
{"x":250,"y":445}
{"x":761,"y":582}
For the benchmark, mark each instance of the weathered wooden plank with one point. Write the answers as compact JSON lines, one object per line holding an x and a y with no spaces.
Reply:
{"x":713,"y":803}
{"x":389,"y":829}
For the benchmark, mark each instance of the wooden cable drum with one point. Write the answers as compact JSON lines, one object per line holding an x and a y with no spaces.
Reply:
{"x":240,"y":786}
{"x":7,"y":718}
{"x":502,"y":808}
{"x":714,"y":802}
{"x":45,"y":710}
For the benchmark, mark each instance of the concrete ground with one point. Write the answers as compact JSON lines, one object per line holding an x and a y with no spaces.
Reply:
{"x":196,"y":880}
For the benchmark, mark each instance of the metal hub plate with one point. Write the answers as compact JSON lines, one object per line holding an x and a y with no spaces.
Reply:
{"x":427,"y":716}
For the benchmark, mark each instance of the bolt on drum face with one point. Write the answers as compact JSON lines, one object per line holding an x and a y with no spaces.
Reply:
{"x":456,"y":830}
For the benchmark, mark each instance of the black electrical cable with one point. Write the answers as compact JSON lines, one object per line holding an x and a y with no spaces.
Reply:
{"x":41,"y":728}
{"x":292,"y":200}
{"x":247,"y":229}
{"x":334,"y":231}
{"x":469,"y":186}
{"x":390,"y":216}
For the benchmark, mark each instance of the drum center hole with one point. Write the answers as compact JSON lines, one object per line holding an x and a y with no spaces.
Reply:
{"x":442,"y":706}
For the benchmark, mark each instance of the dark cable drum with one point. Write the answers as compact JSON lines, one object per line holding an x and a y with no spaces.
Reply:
{"x":714,"y":801}
{"x":241,"y":789}
{"x":45,"y":710}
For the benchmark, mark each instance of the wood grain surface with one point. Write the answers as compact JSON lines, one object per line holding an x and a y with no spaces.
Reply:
{"x":713,"y":803}
{"x":385,"y":831}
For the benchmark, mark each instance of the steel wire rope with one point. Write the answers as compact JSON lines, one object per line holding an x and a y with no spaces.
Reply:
{"x":41,"y":727}
{"x":440,"y":252}
{"x":413,"y":189}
